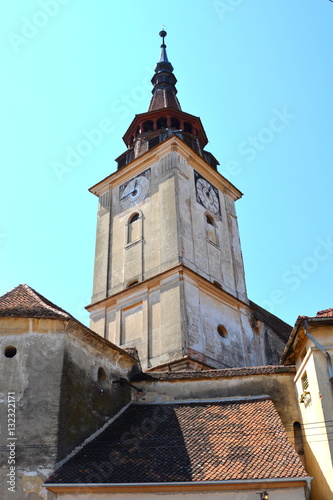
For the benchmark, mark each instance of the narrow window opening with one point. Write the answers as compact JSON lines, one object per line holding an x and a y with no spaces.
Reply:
{"x":305,"y":382}
{"x":10,"y":351}
{"x":211,"y":229}
{"x":132,"y":283}
{"x":298,"y":438}
{"x":102,"y":378}
{"x":175,"y":123}
{"x":134,"y":217}
{"x":209,"y":220}
{"x":134,"y":226}
{"x":101,"y":374}
{"x":162,"y":122}
{"x":188,"y":127}
{"x":305,"y":387}
{"x":148,"y":126}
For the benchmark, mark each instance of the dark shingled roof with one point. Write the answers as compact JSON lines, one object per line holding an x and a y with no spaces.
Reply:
{"x":186,"y":442}
{"x":281,"y":328}
{"x":24,"y":301}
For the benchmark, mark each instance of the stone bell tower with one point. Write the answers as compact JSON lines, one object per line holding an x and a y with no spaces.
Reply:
{"x":169,"y":276}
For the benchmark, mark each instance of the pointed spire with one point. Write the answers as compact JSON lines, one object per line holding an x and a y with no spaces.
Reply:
{"x":164,"y":61}
{"x":164,"y":81}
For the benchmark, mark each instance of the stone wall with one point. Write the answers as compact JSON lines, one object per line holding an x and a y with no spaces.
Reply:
{"x":56,"y":382}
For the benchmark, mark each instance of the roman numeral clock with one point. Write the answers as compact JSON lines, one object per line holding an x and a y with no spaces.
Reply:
{"x":207,"y":194}
{"x":134,"y":191}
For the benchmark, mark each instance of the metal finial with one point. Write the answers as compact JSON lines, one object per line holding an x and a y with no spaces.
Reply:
{"x":163,"y":34}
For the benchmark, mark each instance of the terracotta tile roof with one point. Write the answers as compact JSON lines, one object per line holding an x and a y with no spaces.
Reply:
{"x":24,"y":301}
{"x":326,"y":313}
{"x":225,"y":372}
{"x":190,"y":441}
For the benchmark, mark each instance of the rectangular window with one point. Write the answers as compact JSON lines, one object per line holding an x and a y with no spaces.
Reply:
{"x":305,"y":382}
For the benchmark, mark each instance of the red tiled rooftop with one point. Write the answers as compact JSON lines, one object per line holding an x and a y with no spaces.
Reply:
{"x":186,"y":442}
{"x":325,"y":313}
{"x":24,"y":301}
{"x":215,"y":373}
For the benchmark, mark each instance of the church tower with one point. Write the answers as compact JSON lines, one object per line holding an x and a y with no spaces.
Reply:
{"x":169,"y":277}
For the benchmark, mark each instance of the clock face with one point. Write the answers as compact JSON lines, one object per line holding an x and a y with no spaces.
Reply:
{"x":207,"y":195}
{"x":133,"y":191}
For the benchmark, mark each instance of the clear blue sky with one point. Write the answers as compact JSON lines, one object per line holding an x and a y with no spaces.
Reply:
{"x":257,"y":72}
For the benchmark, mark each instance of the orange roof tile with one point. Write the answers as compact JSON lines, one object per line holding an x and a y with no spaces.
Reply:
{"x":325,"y":313}
{"x":24,"y":301}
{"x":187,"y":442}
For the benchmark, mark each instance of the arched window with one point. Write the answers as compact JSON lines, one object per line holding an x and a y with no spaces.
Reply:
{"x":134,"y":228}
{"x":102,"y":378}
{"x":299,"y":446}
{"x":211,"y":229}
{"x":175,"y":123}
{"x":162,"y":122}
{"x":188,"y":127}
{"x":148,"y":126}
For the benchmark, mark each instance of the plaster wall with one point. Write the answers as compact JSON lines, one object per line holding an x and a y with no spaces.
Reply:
{"x":204,"y":313}
{"x":176,"y":312}
{"x":154,"y":247}
{"x":59,"y":397}
{"x":271,"y":345}
{"x":279,"y":386}
{"x":316,"y":414}
{"x":213,"y":251}
{"x":88,"y":396}
{"x":34,"y":376}
{"x":274,"y":494}
{"x":149,"y":319}
{"x":246,"y":342}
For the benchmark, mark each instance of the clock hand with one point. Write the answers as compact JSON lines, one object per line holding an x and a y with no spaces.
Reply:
{"x":127,"y":195}
{"x":134,"y":191}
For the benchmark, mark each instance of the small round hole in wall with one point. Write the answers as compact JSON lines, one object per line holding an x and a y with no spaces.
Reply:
{"x":222,"y":331}
{"x":10,"y":351}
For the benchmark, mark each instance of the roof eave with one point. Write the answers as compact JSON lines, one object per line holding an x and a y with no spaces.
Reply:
{"x":237,"y":484}
{"x":294,"y":333}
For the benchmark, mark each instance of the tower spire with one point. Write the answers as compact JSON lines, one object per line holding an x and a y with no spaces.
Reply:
{"x":164,"y":81}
